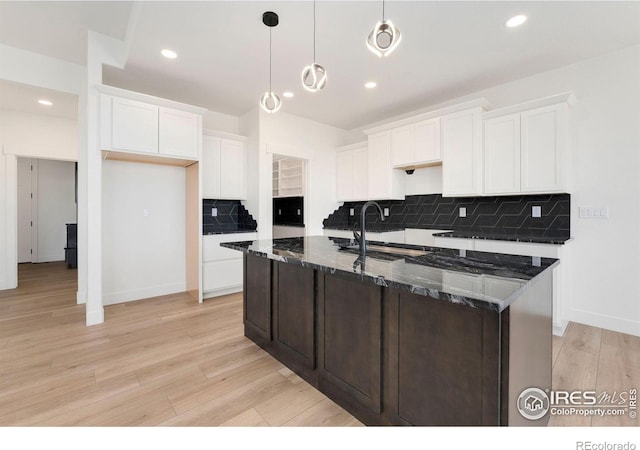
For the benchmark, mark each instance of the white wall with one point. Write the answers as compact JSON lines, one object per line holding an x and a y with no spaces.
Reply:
{"x":295,"y":136}
{"x":56,"y":207}
{"x":39,"y":136}
{"x":212,"y":120}
{"x":142,"y":256}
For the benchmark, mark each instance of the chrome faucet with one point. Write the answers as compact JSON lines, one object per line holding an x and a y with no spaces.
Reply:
{"x":361,"y":238}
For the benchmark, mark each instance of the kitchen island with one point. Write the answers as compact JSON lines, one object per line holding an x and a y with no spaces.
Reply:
{"x":408,"y":335}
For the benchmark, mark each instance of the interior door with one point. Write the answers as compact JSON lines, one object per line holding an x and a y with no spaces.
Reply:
{"x":24,"y":210}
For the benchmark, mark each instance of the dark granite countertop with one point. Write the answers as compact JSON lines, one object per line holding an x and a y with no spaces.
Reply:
{"x":455,"y":276}
{"x":532,"y":237}
{"x":229,"y":232}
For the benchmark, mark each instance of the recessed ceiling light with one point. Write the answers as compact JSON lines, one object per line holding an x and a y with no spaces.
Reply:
{"x":288,"y":94}
{"x":370,"y":84}
{"x":170,"y":54}
{"x":516,"y":21}
{"x":45,"y":102}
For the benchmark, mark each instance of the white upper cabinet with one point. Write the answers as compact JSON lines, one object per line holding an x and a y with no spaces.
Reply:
{"x":384,"y":183}
{"x":179,"y":133}
{"x":232,"y":179}
{"x":502,"y":155}
{"x":134,"y":125}
{"x":223,"y":168}
{"x":157,"y":128}
{"x":352,"y":173}
{"x":462,"y":153}
{"x":416,"y":145}
{"x":542,"y":149}
{"x":210,"y":167}
{"x":524,"y":151}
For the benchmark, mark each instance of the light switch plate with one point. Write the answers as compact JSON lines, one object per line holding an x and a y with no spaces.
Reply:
{"x":463,"y":211}
{"x":590,"y":212}
{"x":214,"y":212}
{"x":298,"y":212}
{"x":386,"y":212}
{"x":536,"y":211}
{"x":145,"y":212}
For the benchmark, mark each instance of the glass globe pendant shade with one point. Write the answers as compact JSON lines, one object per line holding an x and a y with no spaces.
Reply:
{"x":314,"y":78}
{"x":384,"y":38}
{"x":270,"y":102}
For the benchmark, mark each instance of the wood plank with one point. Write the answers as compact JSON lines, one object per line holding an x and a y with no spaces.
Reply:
{"x":249,"y":418}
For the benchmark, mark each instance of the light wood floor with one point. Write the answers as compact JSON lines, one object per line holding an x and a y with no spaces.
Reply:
{"x":170,"y":361}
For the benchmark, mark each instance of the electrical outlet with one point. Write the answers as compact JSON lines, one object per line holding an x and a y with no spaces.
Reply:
{"x":463,"y":253}
{"x":214,"y":212}
{"x":536,"y":211}
{"x":351,"y":211}
{"x":462,"y":212}
{"x":590,"y":212}
{"x":298,"y":212}
{"x":279,"y":212}
{"x":535,"y":261}
{"x":386,"y":212}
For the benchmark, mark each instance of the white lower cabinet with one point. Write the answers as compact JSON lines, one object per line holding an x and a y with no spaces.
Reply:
{"x":222,"y":267}
{"x":561,"y":277}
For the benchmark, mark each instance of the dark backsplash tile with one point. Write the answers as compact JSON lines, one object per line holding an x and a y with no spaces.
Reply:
{"x":509,"y":214}
{"x":232,"y":216}
{"x":285,"y":211}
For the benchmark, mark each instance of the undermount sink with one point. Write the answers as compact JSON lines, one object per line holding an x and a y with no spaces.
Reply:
{"x":387,"y":249}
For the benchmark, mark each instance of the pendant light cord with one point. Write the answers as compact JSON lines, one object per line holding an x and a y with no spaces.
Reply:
{"x":383,"y":10}
{"x":314,"y":31}
{"x":270,"y":90}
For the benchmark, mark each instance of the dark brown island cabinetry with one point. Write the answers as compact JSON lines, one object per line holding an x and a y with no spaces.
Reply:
{"x":391,"y":357}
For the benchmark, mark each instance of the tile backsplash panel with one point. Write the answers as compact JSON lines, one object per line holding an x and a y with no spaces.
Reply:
{"x":232,"y":216}
{"x":509,"y":214}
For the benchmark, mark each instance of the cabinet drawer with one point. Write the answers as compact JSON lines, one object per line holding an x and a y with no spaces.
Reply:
{"x":221,"y":274}
{"x":211,"y":250}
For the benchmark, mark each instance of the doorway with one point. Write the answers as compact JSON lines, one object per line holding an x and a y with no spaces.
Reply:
{"x":288,"y":192}
{"x":46,"y":205}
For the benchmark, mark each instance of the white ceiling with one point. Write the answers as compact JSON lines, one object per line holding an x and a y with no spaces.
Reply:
{"x":449,"y":49}
{"x":24,"y":98}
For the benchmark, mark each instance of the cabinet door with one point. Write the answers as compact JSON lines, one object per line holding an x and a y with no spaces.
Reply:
{"x":232,"y":180}
{"x":210,"y":167}
{"x":383,"y":182}
{"x":134,"y":126}
{"x":294,"y":315}
{"x":461,"y":153}
{"x":257,"y":297}
{"x":502,"y":155}
{"x":221,"y":274}
{"x":179,"y":133}
{"x":344,"y":176}
{"x":349,"y":352}
{"x":360,"y":174}
{"x":541,"y":151}
{"x":426,"y":142}
{"x":402,"y":146}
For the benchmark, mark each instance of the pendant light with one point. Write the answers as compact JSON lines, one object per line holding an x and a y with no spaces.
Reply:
{"x":314,"y":76}
{"x":270,"y":101}
{"x":384,"y":38}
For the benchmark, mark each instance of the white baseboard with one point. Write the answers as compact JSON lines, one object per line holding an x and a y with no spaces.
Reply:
{"x":560,"y":328}
{"x":220,"y":292}
{"x":111,"y":298}
{"x":604,"y":321}
{"x":81,"y":297}
{"x":95,"y":317}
